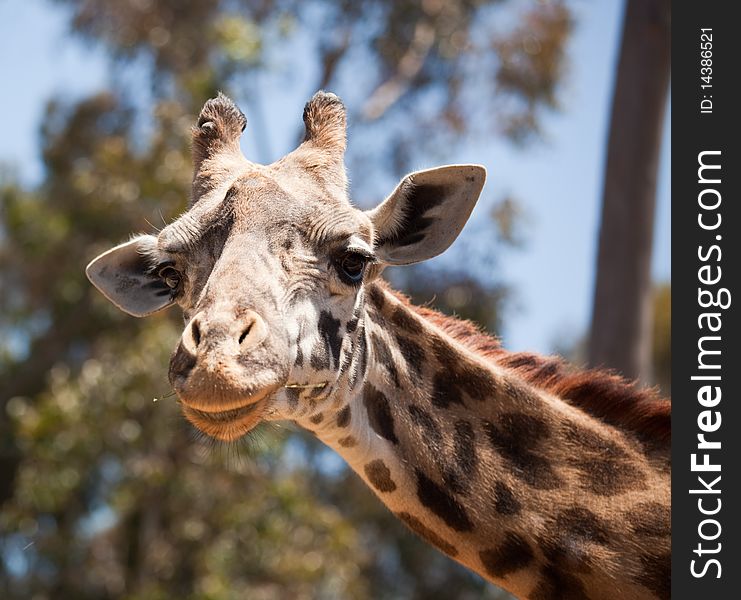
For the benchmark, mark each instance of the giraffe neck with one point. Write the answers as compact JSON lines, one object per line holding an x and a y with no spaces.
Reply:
{"x":514,"y":483}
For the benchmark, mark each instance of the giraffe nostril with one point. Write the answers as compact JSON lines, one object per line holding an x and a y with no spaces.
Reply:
{"x":245,"y":333}
{"x":196,"y":332}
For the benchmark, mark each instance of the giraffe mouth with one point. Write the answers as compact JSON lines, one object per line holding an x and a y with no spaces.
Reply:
{"x":225,"y":425}
{"x":228,"y":421}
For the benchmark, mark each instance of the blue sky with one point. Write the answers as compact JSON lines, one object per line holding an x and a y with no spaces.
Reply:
{"x":558,"y":182}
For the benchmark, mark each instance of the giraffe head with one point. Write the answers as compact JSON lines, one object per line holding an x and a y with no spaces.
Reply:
{"x":270,"y":263}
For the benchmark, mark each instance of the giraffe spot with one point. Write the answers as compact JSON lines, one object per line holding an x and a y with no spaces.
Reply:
{"x":299,"y":353}
{"x":465,"y":447}
{"x":376,"y":296}
{"x":584,"y":525}
{"x":593,"y":443}
{"x":453,"y":481}
{"x":604,"y":467}
{"x":292,"y":394}
{"x":357,"y":313}
{"x":505,"y":501}
{"x":516,"y":438}
{"x":512,"y":555}
{"x":402,"y":318}
{"x":320,"y":357}
{"x":569,"y":544}
{"x":343,"y":416}
{"x":521,"y":424}
{"x":317,"y":418}
{"x":459,"y":377}
{"x":430,"y":431}
{"x":464,"y":464}
{"x":383,"y":353}
{"x":379,"y":475}
{"x":413,"y":355}
{"x":609,"y":477}
{"x":444,"y":353}
{"x":445,"y":392}
{"x":555,"y":584}
{"x":650,"y":519}
{"x":379,"y":413}
{"x":657,"y":574}
{"x":347,"y":441}
{"x":427,"y":534}
{"x":441,"y":503}
{"x":478,"y":383}
{"x":564,"y":554}
{"x":352,"y":324}
{"x":376,"y":316}
{"x":469,"y":377}
{"x":329,"y":331}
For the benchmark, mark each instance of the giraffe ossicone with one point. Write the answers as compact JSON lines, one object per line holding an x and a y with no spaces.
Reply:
{"x":550,"y":482}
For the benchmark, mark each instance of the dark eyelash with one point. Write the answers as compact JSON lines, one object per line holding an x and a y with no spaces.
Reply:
{"x":155,"y":267}
{"x":367,"y":254}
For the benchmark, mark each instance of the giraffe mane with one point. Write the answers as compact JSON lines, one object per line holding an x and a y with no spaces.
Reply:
{"x":600,"y":393}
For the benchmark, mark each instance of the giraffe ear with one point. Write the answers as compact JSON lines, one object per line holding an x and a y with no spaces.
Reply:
{"x":425,"y":213}
{"x":124,"y":275}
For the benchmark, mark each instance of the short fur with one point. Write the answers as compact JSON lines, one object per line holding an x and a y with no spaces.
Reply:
{"x":602,"y":394}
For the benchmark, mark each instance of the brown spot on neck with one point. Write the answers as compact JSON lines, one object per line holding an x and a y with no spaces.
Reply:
{"x":513,"y":554}
{"x":379,"y":475}
{"x":427,"y":534}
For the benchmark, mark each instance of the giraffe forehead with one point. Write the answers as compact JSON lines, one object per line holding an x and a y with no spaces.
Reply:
{"x":320,"y":221}
{"x":321,"y":227}
{"x":257,"y":202}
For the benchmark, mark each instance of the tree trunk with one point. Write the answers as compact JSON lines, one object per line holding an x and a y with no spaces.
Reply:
{"x":620,"y":336}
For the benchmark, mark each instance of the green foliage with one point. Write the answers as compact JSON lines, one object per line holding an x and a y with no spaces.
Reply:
{"x":105,"y":492}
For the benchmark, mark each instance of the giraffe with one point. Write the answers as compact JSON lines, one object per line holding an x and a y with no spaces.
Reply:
{"x":547,"y":481}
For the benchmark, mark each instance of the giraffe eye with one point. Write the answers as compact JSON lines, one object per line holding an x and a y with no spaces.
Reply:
{"x":352,"y":266}
{"x":170,"y":276}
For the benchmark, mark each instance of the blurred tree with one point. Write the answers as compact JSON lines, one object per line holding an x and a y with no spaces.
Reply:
{"x":661,"y":347}
{"x":620,"y":336}
{"x":107,"y":494}
{"x":575,"y":350}
{"x":431,"y":62}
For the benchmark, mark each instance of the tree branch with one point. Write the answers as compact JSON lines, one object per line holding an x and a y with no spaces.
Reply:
{"x":389,"y":92}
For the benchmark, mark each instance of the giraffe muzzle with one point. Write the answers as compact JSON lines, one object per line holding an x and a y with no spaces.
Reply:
{"x":224,"y":369}
{"x":226,"y":332}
